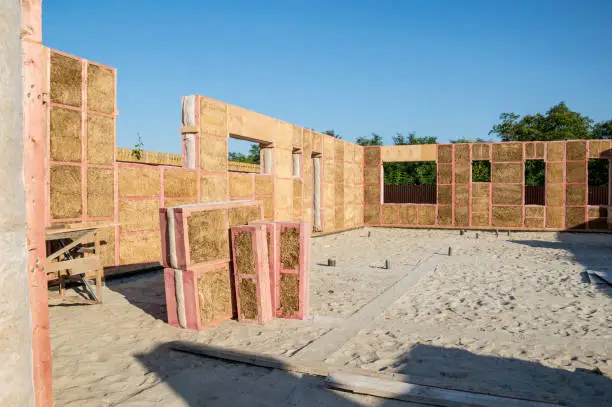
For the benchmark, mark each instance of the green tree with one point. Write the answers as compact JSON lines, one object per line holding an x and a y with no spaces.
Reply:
{"x":251,"y":157}
{"x":137,"y":149}
{"x":558,"y":123}
{"x":332,"y":133}
{"x":603,"y":130}
{"x":371,"y":140}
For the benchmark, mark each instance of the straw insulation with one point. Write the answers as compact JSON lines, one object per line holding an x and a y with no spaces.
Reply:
{"x":427,"y":215}
{"x":208,"y":236}
{"x":141,"y":214}
{"x":100,"y":192}
{"x":139,"y":181}
{"x":371,"y":214}
{"x":100,"y":140}
{"x":445,"y":153}
{"x":100,"y":89}
{"x":139,"y":248}
{"x":66,"y":80}
{"x":506,"y":152}
{"x":213,"y":188}
{"x":242,"y":215}
{"x":371,"y":155}
{"x":65,"y":192}
{"x":389,"y":214}
{"x":241,"y":185}
{"x":289,"y":294}
{"x":408,"y":215}
{"x":65,"y":135}
{"x":507,"y":194}
{"x":180,"y":183}
{"x":214,"y":295}
{"x":575,"y":218}
{"x":445,"y":215}
{"x":507,"y":216}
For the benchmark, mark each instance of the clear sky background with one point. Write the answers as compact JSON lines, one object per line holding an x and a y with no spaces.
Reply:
{"x":439,"y":68}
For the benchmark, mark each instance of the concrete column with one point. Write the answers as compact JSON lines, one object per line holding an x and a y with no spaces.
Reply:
{"x":316,"y":161}
{"x":266,"y":159}
{"x":16,"y":369}
{"x":188,"y":121}
{"x":34,"y":174}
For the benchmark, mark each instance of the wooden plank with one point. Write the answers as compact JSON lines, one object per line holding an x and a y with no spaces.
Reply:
{"x":252,"y":358}
{"x":421,"y":394}
{"x":65,"y":249}
{"x":78,"y":266}
{"x":70,"y":234}
{"x":326,"y":370}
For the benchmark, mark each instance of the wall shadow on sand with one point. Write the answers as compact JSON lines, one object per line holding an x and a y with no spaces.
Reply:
{"x":187,"y":379}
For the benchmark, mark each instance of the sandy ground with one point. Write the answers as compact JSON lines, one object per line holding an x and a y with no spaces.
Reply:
{"x":505,"y":314}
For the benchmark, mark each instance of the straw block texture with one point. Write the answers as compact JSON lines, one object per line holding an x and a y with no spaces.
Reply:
{"x":251,"y":273}
{"x":293,"y":289}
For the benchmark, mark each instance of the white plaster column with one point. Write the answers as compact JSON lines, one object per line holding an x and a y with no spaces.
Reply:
{"x":16,"y":369}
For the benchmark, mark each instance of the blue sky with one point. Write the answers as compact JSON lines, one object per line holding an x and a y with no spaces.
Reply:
{"x":439,"y":68}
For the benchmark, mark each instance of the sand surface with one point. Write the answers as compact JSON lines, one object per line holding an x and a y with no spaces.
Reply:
{"x":505,"y":314}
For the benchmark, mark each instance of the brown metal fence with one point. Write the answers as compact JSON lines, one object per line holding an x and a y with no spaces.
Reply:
{"x":418,"y":194}
{"x":535,"y":195}
{"x":598,"y":195}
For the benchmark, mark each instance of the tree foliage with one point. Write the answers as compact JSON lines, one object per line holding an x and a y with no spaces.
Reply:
{"x":333,"y":134}
{"x":372,"y":140}
{"x":558,"y":123}
{"x":137,"y":149}
{"x":251,"y":157}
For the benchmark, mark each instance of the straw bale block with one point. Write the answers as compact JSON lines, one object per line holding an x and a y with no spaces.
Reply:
{"x":100,"y":192}
{"x":240,"y":185}
{"x":534,"y":223}
{"x":445,"y":215}
{"x":598,"y":212}
{"x":503,"y":172}
{"x":575,"y":217}
{"x":171,"y":202}
{"x":462,"y":152}
{"x":534,"y":211}
{"x":65,"y":80}
{"x":507,"y":216}
{"x":554,"y":194}
{"x":480,"y":219}
{"x":264,"y":184}
{"x":390,"y":215}
{"x":142,"y":247}
{"x":371,"y":155}
{"x":138,"y":214}
{"x":180,"y":183}
{"x":445,"y":153}
{"x":575,"y":150}
{"x":507,"y":194}
{"x":462,"y":216}
{"x":462,"y":194}
{"x":539,"y":150}
{"x":65,"y":185}
{"x":575,"y":194}
{"x":480,"y":204}
{"x":139,"y":181}
{"x":481,"y":151}
{"x":100,"y":89}
{"x":445,"y":174}
{"x":65,"y":135}
{"x":371,"y":214}
{"x":213,"y":188}
{"x":427,"y":215}
{"x":576,"y":171}
{"x":293,"y":290}
{"x":213,"y":154}
{"x":408,"y":215}
{"x":506,"y":152}
{"x":529,"y":150}
{"x":445,"y":194}
{"x":251,"y":273}
{"x":555,"y":151}
{"x":554,"y":217}
{"x":481,"y":189}
{"x":100,"y":140}
{"x":554,"y":172}
{"x":372,"y":193}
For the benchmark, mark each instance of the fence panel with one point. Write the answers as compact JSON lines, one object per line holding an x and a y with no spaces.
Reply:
{"x":598,"y":195}
{"x":418,"y":194}
{"x":535,"y":195}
